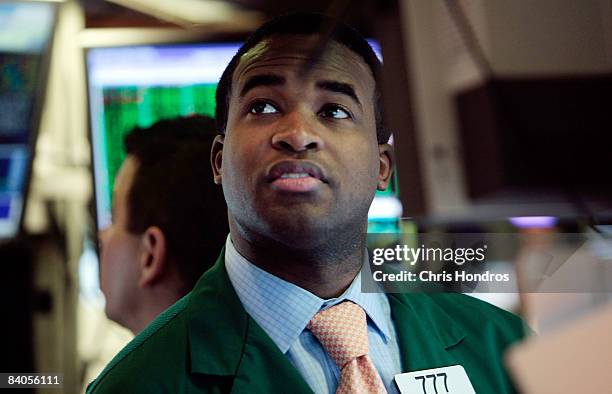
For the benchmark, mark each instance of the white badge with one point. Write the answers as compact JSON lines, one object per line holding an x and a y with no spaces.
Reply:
{"x":444,"y":380}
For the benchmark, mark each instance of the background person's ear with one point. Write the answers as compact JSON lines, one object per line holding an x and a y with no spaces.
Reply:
{"x":387,"y":162}
{"x":216,"y":157}
{"x":153,"y":255}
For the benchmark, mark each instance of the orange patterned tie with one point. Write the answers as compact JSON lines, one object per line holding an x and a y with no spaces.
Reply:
{"x":342,"y":330}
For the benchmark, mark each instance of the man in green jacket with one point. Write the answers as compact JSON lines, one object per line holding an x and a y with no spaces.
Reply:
{"x":301,"y":151}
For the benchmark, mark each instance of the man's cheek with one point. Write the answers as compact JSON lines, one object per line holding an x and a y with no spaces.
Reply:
{"x":365,"y":166}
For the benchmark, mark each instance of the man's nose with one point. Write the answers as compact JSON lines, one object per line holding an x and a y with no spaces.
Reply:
{"x":297,"y":134}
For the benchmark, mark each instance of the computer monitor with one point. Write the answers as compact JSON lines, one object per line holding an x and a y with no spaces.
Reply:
{"x":26,"y":31}
{"x":538,"y":146}
{"x":140,"y":84}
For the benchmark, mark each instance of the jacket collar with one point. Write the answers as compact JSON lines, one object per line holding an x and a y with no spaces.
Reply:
{"x":425,"y":331}
{"x":225,"y":341}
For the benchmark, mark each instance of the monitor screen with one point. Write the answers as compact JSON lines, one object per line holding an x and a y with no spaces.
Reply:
{"x":139,"y":85}
{"x":26,"y":31}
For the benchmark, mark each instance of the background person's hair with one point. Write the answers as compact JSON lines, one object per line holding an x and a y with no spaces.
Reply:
{"x":173,"y":189}
{"x":303,"y":24}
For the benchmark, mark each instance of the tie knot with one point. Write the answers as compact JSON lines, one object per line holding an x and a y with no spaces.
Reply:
{"x":342,"y":330}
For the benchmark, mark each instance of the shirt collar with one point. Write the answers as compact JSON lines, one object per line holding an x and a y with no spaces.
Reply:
{"x":283,"y":309}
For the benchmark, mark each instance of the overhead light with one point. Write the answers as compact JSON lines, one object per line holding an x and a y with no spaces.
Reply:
{"x":533,"y":221}
{"x":190,"y":13}
{"x":117,"y":36}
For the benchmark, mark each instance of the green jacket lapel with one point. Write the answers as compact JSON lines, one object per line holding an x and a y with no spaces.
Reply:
{"x":425,"y":332}
{"x":264,"y":369}
{"x":225,"y":341}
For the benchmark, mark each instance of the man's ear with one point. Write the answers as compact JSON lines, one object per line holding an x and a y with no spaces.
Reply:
{"x":216,"y":157}
{"x":153,"y":255}
{"x":386,"y":161}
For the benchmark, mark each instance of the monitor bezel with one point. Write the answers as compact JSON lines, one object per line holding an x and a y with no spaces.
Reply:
{"x":38,"y":106}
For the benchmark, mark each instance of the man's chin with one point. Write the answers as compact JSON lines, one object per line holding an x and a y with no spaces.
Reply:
{"x":299,"y":230}
{"x":302,"y":226}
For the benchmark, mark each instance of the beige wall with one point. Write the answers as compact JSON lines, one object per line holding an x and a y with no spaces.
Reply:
{"x":519,"y":38}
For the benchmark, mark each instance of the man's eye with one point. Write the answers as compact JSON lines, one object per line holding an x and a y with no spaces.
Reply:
{"x":334,"y":112}
{"x":261,"y":107}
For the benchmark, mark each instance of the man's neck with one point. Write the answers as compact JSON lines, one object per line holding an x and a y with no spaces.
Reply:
{"x":157,"y":300}
{"x":326,"y":271}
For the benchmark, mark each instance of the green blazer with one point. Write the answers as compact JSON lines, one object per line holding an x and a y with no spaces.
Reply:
{"x":207,"y":343}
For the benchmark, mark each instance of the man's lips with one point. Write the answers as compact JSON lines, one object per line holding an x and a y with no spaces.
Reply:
{"x":296,"y":176}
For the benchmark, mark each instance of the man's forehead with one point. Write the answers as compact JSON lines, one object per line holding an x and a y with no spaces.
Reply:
{"x":285,"y":44}
{"x":293,"y":49}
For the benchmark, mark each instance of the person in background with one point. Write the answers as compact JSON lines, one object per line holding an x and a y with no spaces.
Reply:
{"x":302,"y":151}
{"x":169,"y":220}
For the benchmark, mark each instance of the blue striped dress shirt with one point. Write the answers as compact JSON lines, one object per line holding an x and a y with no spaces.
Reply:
{"x":283,"y":310}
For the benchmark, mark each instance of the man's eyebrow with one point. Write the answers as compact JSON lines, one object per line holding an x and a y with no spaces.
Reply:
{"x":261,"y":80}
{"x":339,"y":87}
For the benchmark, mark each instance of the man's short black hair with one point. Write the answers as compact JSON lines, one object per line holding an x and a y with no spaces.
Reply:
{"x":173,"y":189}
{"x":303,"y":24}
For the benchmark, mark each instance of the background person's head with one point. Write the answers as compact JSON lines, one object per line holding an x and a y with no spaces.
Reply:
{"x":301,"y":155}
{"x":169,"y":220}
